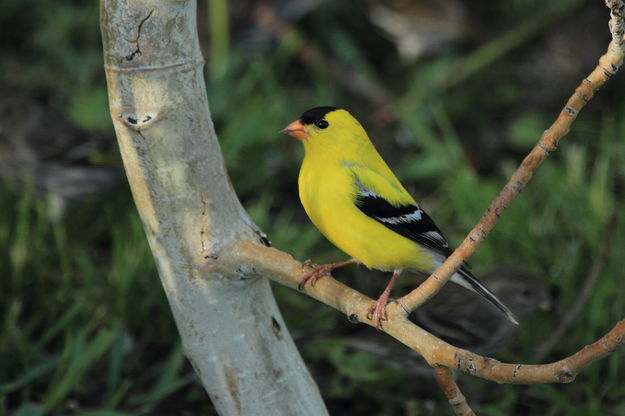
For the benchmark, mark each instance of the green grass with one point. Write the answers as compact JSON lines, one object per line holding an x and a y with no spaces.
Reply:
{"x":86,"y":328}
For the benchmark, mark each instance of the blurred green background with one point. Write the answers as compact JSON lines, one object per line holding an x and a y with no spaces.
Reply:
{"x":453,"y":95}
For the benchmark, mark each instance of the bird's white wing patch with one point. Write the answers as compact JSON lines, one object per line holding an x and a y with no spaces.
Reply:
{"x":409,"y":220}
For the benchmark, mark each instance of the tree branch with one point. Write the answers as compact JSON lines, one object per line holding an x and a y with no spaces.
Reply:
{"x":608,"y":65}
{"x":282,"y":268}
{"x":451,"y":390}
{"x":230,"y":326}
{"x":208,"y":251}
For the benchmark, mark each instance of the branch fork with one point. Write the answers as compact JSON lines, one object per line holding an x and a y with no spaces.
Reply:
{"x":204,"y":298}
{"x":437,"y":353}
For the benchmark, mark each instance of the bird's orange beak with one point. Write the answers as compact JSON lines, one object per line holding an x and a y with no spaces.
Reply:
{"x":295,"y":129}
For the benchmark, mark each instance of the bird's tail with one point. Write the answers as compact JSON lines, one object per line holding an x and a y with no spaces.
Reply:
{"x":465,"y":278}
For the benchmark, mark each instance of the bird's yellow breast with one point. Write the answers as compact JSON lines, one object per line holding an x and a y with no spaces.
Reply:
{"x":327,"y":191}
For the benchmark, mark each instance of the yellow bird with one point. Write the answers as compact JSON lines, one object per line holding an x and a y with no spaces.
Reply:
{"x":357,"y":203}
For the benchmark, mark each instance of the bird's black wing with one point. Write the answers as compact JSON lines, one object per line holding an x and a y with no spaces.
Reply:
{"x":409,"y":221}
{"x":412,"y":222}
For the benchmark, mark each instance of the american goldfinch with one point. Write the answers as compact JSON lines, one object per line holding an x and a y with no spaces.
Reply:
{"x":357,"y":203}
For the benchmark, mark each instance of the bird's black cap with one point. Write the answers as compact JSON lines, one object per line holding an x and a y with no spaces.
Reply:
{"x":315,"y":114}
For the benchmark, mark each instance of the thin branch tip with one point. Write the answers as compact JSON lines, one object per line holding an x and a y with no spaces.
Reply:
{"x":283,"y":269}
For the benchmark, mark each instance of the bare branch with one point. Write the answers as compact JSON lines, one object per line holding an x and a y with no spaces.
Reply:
{"x":609,"y":63}
{"x":230,"y":326}
{"x":455,"y":397}
{"x":207,"y":249}
{"x":282,"y":268}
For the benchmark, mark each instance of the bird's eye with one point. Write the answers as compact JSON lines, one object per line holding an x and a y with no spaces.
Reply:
{"x":322,"y":124}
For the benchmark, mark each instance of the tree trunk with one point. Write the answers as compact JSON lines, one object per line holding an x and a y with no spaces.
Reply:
{"x":231,"y":329}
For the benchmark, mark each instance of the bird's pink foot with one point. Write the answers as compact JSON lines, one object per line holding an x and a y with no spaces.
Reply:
{"x":318,"y":271}
{"x":314,"y":273}
{"x":377,"y":310}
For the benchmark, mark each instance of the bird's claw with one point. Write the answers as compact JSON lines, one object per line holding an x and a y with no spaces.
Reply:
{"x":314,"y":274}
{"x":377,"y":311}
{"x":308,"y":263}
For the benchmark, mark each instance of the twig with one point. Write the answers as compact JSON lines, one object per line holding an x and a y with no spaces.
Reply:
{"x":584,"y":293}
{"x":455,"y":397}
{"x":254,"y":259}
{"x":282,"y":268}
{"x":609,"y":63}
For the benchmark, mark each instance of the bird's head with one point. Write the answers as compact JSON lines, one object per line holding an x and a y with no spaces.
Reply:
{"x":323,"y":127}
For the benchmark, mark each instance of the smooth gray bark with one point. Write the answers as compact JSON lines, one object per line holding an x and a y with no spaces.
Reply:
{"x":230,"y":327}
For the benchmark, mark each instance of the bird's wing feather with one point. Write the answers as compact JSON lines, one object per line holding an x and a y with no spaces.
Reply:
{"x":386,"y":201}
{"x":381,"y":199}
